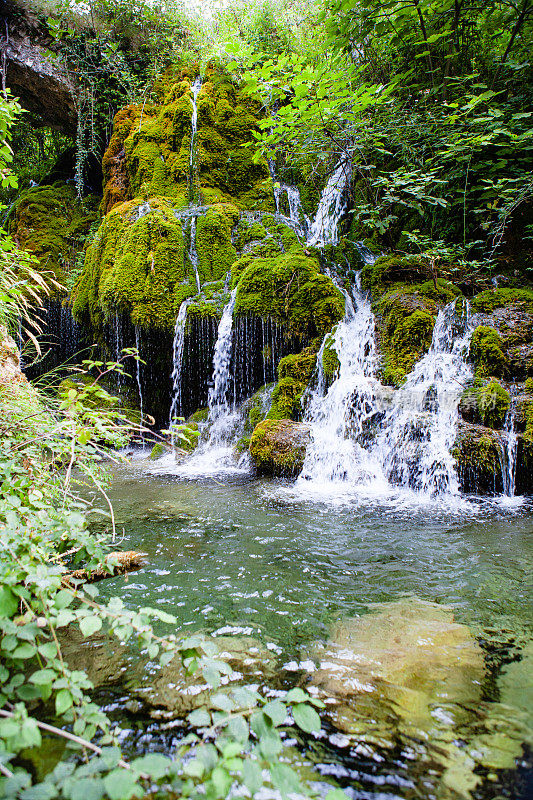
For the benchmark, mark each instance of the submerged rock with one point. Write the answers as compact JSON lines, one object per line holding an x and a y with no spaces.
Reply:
{"x":277,"y":447}
{"x":407,"y":674}
{"x":171,"y":691}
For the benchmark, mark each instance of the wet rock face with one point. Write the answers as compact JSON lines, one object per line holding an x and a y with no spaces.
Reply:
{"x":44,"y":87}
{"x":278,"y":447}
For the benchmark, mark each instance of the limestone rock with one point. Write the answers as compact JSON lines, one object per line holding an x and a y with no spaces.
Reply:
{"x":44,"y":87}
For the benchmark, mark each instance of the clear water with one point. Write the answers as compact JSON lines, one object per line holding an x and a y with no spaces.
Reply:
{"x":235,"y":559}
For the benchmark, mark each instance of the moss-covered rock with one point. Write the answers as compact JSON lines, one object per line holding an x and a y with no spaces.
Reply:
{"x":489,"y":300}
{"x":52,"y":223}
{"x":330,"y":359}
{"x":405,"y":327}
{"x":277,"y":447}
{"x":291,"y":289}
{"x":477,"y":452}
{"x":149,"y":150}
{"x":295,"y":372}
{"x":486,"y":404}
{"x":486,"y":351}
{"x":135,"y":265}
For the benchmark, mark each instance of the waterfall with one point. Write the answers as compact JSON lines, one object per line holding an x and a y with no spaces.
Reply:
{"x":215,"y":454}
{"x":193,"y":253}
{"x":296,"y":211}
{"x":367,"y":440}
{"x":195,"y":88}
{"x":332,"y":207}
{"x":219,"y":407}
{"x":177,"y":361}
{"x":138,"y":377}
{"x":508,"y":452}
{"x":419,"y":431}
{"x":338,"y":457}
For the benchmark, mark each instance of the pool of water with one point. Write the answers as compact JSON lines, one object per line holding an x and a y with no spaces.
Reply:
{"x":246,"y":557}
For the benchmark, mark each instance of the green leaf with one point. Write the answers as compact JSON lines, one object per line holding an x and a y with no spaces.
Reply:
{"x":120,"y":784}
{"x":8,"y":602}
{"x":252,"y":776}
{"x":155,"y":764}
{"x":221,"y":781}
{"x":306,"y":718}
{"x":277,"y":712}
{"x":296,"y":696}
{"x":25,"y":650}
{"x":199,"y":718}
{"x":42,"y":677}
{"x":89,"y":625}
{"x":238,"y":728}
{"x":194,"y":768}
{"x":63,"y":701}
{"x":87,"y":789}
{"x":285,"y":779}
{"x":223,"y":702}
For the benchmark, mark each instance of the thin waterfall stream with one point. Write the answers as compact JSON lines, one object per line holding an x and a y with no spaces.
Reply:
{"x":509,"y":446}
{"x":177,"y":361}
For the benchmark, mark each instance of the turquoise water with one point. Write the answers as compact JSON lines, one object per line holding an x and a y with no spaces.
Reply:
{"x":244,"y":558}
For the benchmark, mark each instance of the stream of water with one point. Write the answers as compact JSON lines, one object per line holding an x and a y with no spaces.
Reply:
{"x":234,"y":560}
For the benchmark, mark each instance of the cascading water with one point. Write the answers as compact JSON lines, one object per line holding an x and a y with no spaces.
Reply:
{"x":365,"y":442}
{"x":195,"y":88}
{"x":418,"y":433}
{"x":332,"y":207}
{"x":338,"y":458}
{"x":508,"y":452}
{"x":215,"y":455}
{"x":138,"y":378}
{"x":193,"y":253}
{"x":177,"y":361}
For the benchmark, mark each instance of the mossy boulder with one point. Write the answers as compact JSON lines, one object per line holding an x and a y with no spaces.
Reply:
{"x":291,"y":289}
{"x":295,"y":372}
{"x":491,"y":299}
{"x":278,"y":447}
{"x":486,"y":404}
{"x":149,"y":150}
{"x":477,"y":452}
{"x":486,"y":351}
{"x":135,"y":265}
{"x":52,"y":223}
{"x":405,"y":330}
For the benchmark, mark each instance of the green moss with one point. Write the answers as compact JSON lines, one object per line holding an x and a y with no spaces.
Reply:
{"x":291,"y":289}
{"x":490,"y":299}
{"x":156,"y":451}
{"x":493,"y":403}
{"x":391,"y":269}
{"x":200,"y":415}
{"x":50,"y":222}
{"x":487,"y":353}
{"x":149,"y":150}
{"x":278,"y":447}
{"x":478,"y":456}
{"x":135,"y":265}
{"x":528,"y":386}
{"x":295,"y":372}
{"x":216,"y":253}
{"x":330,"y":359}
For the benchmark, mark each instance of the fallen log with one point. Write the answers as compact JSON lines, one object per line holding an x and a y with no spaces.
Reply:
{"x":125,"y":561}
